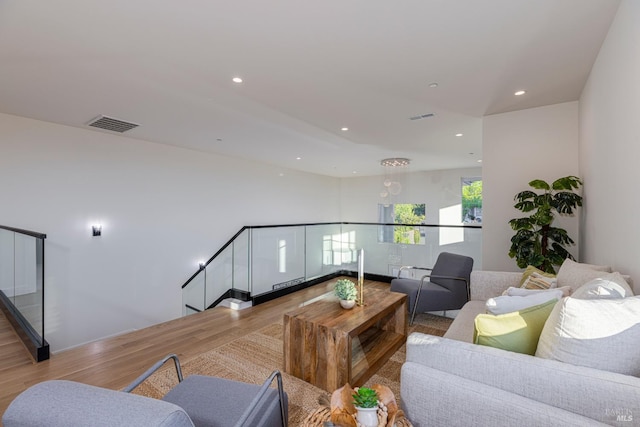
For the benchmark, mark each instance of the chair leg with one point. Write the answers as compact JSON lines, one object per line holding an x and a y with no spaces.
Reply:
{"x":415,"y":306}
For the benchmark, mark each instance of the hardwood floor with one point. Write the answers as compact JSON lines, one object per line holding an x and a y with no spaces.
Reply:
{"x":114,"y":362}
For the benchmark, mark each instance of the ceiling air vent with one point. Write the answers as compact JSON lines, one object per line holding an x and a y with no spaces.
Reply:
{"x":422,"y":116}
{"x":109,"y":123}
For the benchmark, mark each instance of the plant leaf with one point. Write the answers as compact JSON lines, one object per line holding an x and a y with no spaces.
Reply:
{"x":544,"y":216}
{"x":545,"y":199}
{"x":524,"y":195}
{"x":567,"y":183}
{"x":565,"y":202}
{"x":525,"y":206}
{"x":521,"y":224}
{"x":560,"y":236}
{"x":539,"y":184}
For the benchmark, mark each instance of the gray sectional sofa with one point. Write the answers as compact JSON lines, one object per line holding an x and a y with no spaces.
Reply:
{"x":451,"y":381}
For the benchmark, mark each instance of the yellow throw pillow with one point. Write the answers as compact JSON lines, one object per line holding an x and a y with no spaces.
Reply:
{"x":518,"y":331}
{"x":539,"y":282}
{"x":532,"y":272}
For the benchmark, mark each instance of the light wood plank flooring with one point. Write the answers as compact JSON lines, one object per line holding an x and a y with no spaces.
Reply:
{"x":115,"y":362}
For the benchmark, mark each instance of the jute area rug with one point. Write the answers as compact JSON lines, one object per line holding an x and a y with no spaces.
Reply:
{"x":253,"y":357}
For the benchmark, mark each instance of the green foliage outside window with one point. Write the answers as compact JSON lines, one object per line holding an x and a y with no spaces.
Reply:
{"x":408,"y":214}
{"x":472,"y":201}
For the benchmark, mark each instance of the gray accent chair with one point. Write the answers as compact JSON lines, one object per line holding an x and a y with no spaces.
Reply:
{"x":195,"y":401}
{"x":446,"y":287}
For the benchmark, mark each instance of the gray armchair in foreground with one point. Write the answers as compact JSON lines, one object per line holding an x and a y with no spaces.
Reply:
{"x":194,"y":401}
{"x":446,"y":287}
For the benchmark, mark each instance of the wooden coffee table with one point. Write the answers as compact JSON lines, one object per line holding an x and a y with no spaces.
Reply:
{"x":329,"y":346}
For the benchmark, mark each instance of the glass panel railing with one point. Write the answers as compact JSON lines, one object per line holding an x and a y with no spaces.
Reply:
{"x":218,"y":276}
{"x":241,"y":265}
{"x":193,"y":294}
{"x":323,"y":250}
{"x":28,"y":296}
{"x":261,"y":260}
{"x":385,"y":257}
{"x":277,"y":258}
{"x":22,"y":286}
{"x":7,"y":264}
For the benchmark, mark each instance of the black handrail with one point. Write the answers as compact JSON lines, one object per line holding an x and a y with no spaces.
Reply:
{"x":225,"y":246}
{"x":27,"y":232}
{"x":251,"y":227}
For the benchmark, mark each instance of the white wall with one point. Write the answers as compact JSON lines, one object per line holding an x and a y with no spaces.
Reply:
{"x":162,"y":208}
{"x":538,"y":143}
{"x":609,"y":148}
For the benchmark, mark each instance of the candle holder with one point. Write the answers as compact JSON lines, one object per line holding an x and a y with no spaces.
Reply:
{"x":360,"y":291}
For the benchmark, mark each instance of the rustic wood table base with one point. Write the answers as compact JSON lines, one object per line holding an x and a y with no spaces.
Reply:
{"x":329,"y":346}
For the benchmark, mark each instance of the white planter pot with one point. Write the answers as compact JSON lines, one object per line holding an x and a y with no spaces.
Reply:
{"x":347,"y":303}
{"x":368,"y":417}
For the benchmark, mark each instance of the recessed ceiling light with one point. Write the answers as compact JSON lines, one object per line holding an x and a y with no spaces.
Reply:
{"x":520,"y":92}
{"x":479,"y":160}
{"x":237,"y":80}
{"x":298,"y":158}
{"x":459,"y":134}
{"x":354,"y":172}
{"x":344,"y":129}
{"x":433,"y":85}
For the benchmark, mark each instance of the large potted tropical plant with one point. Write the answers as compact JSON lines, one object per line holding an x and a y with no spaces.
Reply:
{"x":536,"y":242}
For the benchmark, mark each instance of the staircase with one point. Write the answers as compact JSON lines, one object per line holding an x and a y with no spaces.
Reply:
{"x":12,"y":352}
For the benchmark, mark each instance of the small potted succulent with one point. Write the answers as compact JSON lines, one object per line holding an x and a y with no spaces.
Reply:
{"x":345,"y":290}
{"x":365,"y":400}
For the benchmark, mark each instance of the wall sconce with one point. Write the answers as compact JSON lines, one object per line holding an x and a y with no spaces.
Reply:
{"x":97,"y":230}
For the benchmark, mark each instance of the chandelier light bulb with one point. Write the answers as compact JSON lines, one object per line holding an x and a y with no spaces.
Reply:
{"x":395,"y":188}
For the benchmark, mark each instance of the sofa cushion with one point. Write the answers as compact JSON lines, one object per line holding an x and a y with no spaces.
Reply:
{"x":575,"y":274}
{"x":610,"y":286}
{"x":521,"y":292}
{"x":517,"y":331}
{"x":507,"y":303}
{"x":598,"y":333}
{"x":463,"y":326}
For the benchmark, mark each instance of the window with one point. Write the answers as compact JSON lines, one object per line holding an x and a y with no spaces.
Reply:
{"x":402,"y":213}
{"x":472,"y":200}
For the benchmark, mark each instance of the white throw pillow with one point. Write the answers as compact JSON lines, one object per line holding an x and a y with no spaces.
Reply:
{"x":597,"y":333}
{"x":609,"y":287}
{"x":508,"y":304}
{"x":521,"y":292}
{"x":574,"y":274}
{"x":571,"y":264}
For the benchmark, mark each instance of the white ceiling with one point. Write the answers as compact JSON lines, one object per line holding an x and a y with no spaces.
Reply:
{"x":309,"y":69}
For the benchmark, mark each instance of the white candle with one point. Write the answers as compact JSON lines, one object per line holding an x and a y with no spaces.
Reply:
{"x":361,"y":265}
